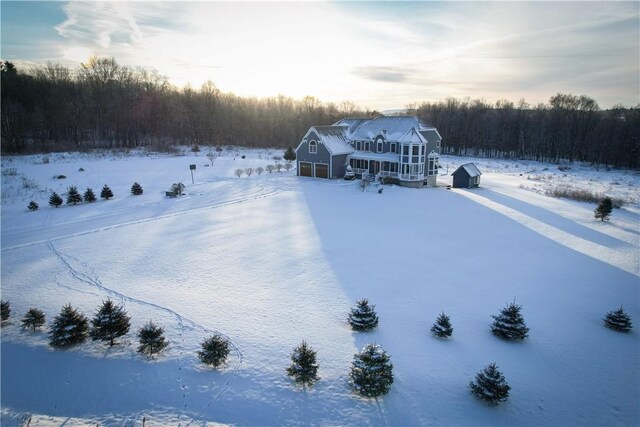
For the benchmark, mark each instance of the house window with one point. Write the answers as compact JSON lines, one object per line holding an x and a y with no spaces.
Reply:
{"x":438,"y":143}
{"x":313,"y":147}
{"x":379,"y":146}
{"x":416,"y":150}
{"x":432,"y":166}
{"x":393,"y":147}
{"x":405,"y":150}
{"x":358,"y":145}
{"x":367,"y":146}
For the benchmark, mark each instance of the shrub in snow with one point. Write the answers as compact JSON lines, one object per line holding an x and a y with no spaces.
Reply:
{"x":239,"y":172}
{"x":287,"y":166}
{"x":212,"y":156}
{"x":442,"y":328}
{"x":248,"y":171}
{"x":55,"y":200}
{"x":509,"y":324}
{"x":303,"y":369}
{"x":89,"y":196}
{"x":270,"y":168}
{"x":215,"y":350}
{"x":490,"y":385}
{"x":136,"y":189}
{"x":195,"y":149}
{"x":106,"y":193}
{"x":33,"y":206}
{"x":618,"y":320}
{"x":278,"y":166}
{"x":289,"y":155}
{"x":604,"y":209}
{"x":177,"y":188}
{"x":33,"y":319}
{"x":110,"y":322}
{"x":371,"y":372}
{"x":363,"y":316}
{"x":259,"y":170}
{"x":70,"y":327}
{"x":5,"y":310}
{"x":243,"y":156}
{"x":151,"y":338}
{"x":73,"y":197}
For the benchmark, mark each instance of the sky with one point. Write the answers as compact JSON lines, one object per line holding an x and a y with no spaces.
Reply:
{"x":380,"y":55}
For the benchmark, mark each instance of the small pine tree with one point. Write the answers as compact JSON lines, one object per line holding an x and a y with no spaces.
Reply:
{"x":106,"y":193}
{"x":33,"y":319}
{"x":215,"y":350}
{"x":371,"y":372}
{"x":604,"y":209}
{"x":490,"y":385}
{"x":136,"y":189}
{"x":70,"y":327}
{"x":73,"y":197}
{"x":151,"y":338}
{"x":110,"y":322}
{"x":363,"y":316}
{"x":618,"y":320}
{"x":89,"y":196}
{"x":289,"y":155}
{"x":510,"y":324}
{"x":442,"y":328}
{"x":303,"y":369}
{"x":33,"y":206}
{"x":55,"y":200}
{"x":5,"y":310}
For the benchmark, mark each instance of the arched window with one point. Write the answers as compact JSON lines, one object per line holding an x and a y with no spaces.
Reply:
{"x":313,"y":147}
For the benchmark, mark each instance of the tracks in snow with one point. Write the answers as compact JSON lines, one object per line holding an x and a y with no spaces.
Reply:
{"x":84,"y":273}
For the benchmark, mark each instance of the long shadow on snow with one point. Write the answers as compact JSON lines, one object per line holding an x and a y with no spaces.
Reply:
{"x":552,"y":219}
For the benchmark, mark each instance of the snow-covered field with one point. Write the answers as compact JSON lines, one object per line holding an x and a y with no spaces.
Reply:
{"x":271,"y":259}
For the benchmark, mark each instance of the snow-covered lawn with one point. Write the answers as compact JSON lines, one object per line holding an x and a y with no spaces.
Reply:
{"x":272,"y":259}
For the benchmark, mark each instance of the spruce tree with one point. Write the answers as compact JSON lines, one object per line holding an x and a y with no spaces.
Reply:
{"x":151,"y":338}
{"x":490,"y":385}
{"x":618,"y":320}
{"x":106,"y":192}
{"x":363,"y":316}
{"x":70,"y":327}
{"x":55,"y":200}
{"x":303,"y":369}
{"x":509,"y":324}
{"x":289,"y":155}
{"x":442,"y":328}
{"x":89,"y":196}
{"x":215,"y":350}
{"x":33,"y":206}
{"x":5,"y":310}
{"x":73,"y":197}
{"x":136,"y":189}
{"x":371,"y":372}
{"x":604,"y":209}
{"x":33,"y":319}
{"x":110,"y":322}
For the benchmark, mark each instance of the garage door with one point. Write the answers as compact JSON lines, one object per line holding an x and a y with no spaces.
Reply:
{"x":322,"y":171}
{"x":305,"y":169}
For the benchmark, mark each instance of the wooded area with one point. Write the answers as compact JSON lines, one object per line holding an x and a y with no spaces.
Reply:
{"x":102,"y":104}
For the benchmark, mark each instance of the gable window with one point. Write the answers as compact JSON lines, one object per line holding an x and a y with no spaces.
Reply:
{"x":380,"y":146}
{"x":313,"y":147}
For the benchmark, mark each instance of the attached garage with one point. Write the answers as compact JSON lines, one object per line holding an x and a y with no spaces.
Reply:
{"x":322,"y":170}
{"x":304,"y":169}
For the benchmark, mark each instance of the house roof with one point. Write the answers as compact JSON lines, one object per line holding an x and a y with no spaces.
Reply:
{"x":471,"y":169}
{"x":431,"y":135}
{"x":334,"y":138}
{"x":368,"y":128}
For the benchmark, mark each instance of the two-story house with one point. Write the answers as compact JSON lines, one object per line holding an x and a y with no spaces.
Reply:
{"x":401,"y":148}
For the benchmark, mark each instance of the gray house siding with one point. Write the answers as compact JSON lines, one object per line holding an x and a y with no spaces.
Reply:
{"x":303,"y":155}
{"x":339,"y":165}
{"x":461,"y":179}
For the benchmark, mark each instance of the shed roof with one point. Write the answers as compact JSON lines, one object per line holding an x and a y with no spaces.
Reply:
{"x":471,"y":169}
{"x":335,"y":139}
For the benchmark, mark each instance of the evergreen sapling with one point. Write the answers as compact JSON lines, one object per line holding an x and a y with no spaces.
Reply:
{"x":109,"y":323}
{"x":509,"y":324}
{"x":33,"y":206}
{"x":136,"y":189}
{"x":70,"y":327}
{"x":89,"y":196}
{"x":33,"y":319}
{"x":73,"y":197}
{"x":371,"y":372}
{"x":618,"y":320}
{"x":442,"y":328}
{"x":106,"y":193}
{"x":151,"y":338}
{"x":289,"y":155}
{"x":303,"y":369}
{"x":5,"y":310}
{"x":215,"y":350}
{"x":604,"y":209}
{"x":490,"y":385}
{"x":363,"y":316}
{"x":55,"y":200}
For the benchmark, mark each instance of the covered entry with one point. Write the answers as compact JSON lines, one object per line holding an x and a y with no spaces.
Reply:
{"x":305,"y":169}
{"x":322,"y":170}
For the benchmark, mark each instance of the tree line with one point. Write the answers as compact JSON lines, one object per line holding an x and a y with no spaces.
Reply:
{"x":102,"y":104}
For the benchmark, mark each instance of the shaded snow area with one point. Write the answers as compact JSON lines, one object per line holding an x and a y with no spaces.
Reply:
{"x":269,"y":260}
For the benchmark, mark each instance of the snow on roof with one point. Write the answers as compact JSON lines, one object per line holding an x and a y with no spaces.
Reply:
{"x":470,"y":168}
{"x":367,"y":155}
{"x":431,"y":135}
{"x":412,"y":136}
{"x":367,"y":128}
{"x":335,"y":139}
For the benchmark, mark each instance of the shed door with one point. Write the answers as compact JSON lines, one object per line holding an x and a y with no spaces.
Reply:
{"x":322,"y":170}
{"x":305,"y":169}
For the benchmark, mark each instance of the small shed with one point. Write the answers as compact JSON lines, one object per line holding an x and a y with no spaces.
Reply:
{"x":466,"y":176}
